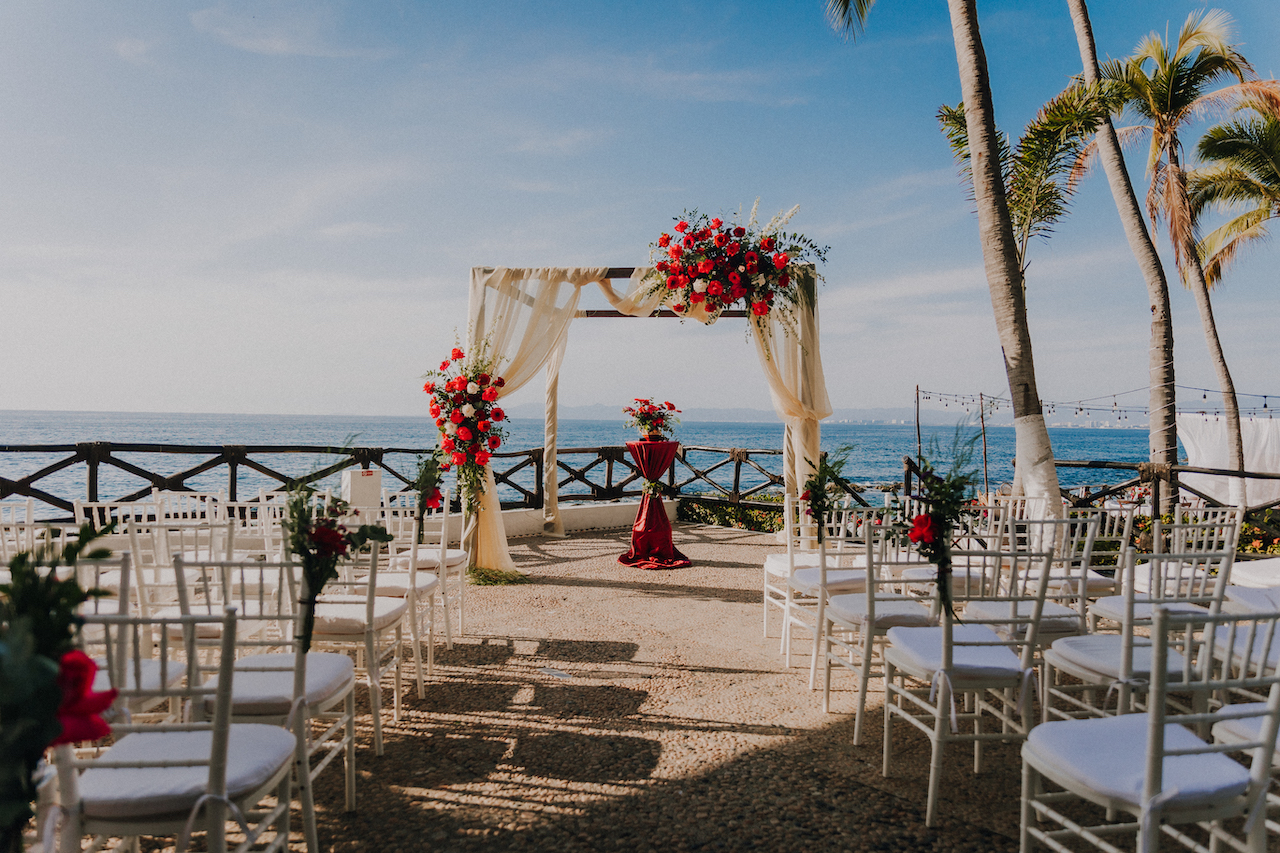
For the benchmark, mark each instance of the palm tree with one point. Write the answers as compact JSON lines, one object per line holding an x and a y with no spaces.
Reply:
{"x":1166,"y":85}
{"x":1244,"y":158}
{"x":1163,"y":432}
{"x":1038,"y":176}
{"x":999,"y":247}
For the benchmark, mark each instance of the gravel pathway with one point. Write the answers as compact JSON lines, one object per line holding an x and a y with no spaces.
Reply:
{"x":607,"y":708}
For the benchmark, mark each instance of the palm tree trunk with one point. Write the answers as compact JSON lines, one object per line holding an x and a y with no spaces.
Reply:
{"x":1034,"y":453}
{"x":1163,"y":430}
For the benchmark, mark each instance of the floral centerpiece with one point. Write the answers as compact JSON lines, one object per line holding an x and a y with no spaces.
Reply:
{"x":823,"y":486}
{"x":654,"y":420}
{"x":464,"y":393}
{"x":708,"y":265}
{"x":319,"y":538}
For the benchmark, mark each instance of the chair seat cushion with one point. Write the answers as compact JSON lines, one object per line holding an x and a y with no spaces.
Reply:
{"x":1112,"y":607}
{"x":918,"y":652}
{"x":396,"y":584}
{"x":428,"y":558}
{"x":1101,"y":654}
{"x":776,"y":564}
{"x":1256,"y":573}
{"x":345,"y":614}
{"x":1247,"y":648}
{"x":1243,"y":728}
{"x":145,"y":677}
{"x":1108,"y":755}
{"x":263,"y":685}
{"x":899,"y":611}
{"x":1250,"y":599}
{"x":255,"y":753}
{"x":806,"y":581}
{"x":253,"y":608}
{"x":1062,"y":579}
{"x":1055,"y":618}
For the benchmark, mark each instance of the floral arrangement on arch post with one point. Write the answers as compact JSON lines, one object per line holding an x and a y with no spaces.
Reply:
{"x":651,"y":418}
{"x":464,"y":393}
{"x":709,"y":265}
{"x":946,"y":497}
{"x":823,"y":485}
{"x":319,"y":537}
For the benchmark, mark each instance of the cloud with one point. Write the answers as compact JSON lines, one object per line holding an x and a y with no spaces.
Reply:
{"x":298,"y":32}
{"x":346,"y":230}
{"x":134,"y":51}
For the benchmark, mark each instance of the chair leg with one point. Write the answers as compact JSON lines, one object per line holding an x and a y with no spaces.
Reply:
{"x":888,"y":720}
{"x":1024,"y":820}
{"x":448,"y":621}
{"x":349,"y":759}
{"x":864,"y":681}
{"x":415,"y":642}
{"x":941,"y":721}
{"x":302,"y":778}
{"x":374,"y":675}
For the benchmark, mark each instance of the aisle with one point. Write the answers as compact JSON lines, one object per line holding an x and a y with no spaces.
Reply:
{"x":602,"y":707}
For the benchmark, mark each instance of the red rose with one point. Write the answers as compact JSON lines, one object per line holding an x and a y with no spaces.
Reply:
{"x":664,"y":241}
{"x":440,"y":422}
{"x":805,"y":495}
{"x":752,"y":257}
{"x":446,"y":466}
{"x":737,"y":292}
{"x":734,"y":248}
{"x":678,"y":308}
{"x":695,"y":298}
{"x":482,"y":380}
{"x":716,"y":223}
{"x":715,"y":288}
{"x":482,"y":457}
{"x":446,"y":444}
{"x":675,"y":267}
{"x":924,"y":530}
{"x":499,"y":381}
{"x":329,"y":541}
{"x":464,"y":433}
{"x":705,"y":266}
{"x":457,"y":417}
{"x":734,"y":277}
{"x":435,"y":410}
{"x":682,"y":226}
{"x":688,"y":241}
{"x":497,"y":414}
{"x":759,"y":309}
{"x":662,"y":266}
{"x":430,"y":387}
{"x":434,"y":501}
{"x":494,"y":442}
{"x":459,"y":458}
{"x":721,"y":239}
{"x":80,"y":706}
{"x":675,"y":251}
{"x":456,"y":355}
{"x":489,"y":394}
{"x":459,"y":399}
{"x":784,"y":280}
{"x":780,"y":260}
{"x":739,"y":231}
{"x":767,"y":244}
{"x":483,"y":426}
{"x":673,"y":282}
{"x":444,"y":365}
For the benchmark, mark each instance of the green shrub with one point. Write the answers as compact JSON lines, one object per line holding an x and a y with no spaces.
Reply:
{"x":742,"y":516}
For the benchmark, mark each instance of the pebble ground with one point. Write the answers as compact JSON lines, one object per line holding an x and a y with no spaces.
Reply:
{"x":603,"y":707}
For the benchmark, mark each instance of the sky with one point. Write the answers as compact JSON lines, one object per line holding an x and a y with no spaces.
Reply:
{"x":274,"y":207}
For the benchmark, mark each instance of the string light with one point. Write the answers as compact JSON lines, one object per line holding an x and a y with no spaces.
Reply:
{"x":1096,"y":405}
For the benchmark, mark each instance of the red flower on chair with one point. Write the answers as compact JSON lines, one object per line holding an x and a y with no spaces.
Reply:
{"x":79,"y":712}
{"x":925,"y":530}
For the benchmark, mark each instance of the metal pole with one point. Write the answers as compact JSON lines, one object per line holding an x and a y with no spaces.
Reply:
{"x":919,"y":444}
{"x":982,"y":419}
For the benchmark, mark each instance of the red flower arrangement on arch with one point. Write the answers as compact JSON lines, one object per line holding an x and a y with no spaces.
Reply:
{"x":464,"y":396}
{"x":708,"y":265}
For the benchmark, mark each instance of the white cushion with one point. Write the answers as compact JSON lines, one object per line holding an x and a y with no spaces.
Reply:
{"x":1257,"y":573}
{"x":255,"y":693}
{"x":254,"y":754}
{"x":337,"y":616}
{"x":1055,"y":618}
{"x":428,"y":558}
{"x":1101,"y":654}
{"x":396,"y":584}
{"x":776,"y":564}
{"x":251,"y":609}
{"x":1062,"y":579}
{"x":918,"y":652}
{"x":1112,"y":607}
{"x":1243,"y":729}
{"x":899,"y":611}
{"x":147,"y":675}
{"x":806,"y":581}
{"x":1242,"y":646}
{"x":1108,"y":755}
{"x":1249,"y":599}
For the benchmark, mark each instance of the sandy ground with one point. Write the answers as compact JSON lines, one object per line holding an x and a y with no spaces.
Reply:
{"x":603,"y":707}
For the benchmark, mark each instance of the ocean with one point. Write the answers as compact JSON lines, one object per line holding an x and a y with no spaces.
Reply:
{"x":875,"y":450}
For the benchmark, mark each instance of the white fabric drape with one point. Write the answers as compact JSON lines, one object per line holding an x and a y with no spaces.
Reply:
{"x":792,"y":366}
{"x":1205,"y":440}
{"x":521,"y":317}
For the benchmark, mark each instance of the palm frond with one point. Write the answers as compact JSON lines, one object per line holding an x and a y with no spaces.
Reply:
{"x":1219,"y":248}
{"x":849,"y":17}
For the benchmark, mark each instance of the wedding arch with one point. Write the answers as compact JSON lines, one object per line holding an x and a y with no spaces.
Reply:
{"x":522,"y":316}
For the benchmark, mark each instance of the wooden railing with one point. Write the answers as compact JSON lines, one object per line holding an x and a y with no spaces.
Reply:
{"x":57,"y":474}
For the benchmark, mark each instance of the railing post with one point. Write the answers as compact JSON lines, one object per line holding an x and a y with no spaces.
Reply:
{"x":233,"y":454}
{"x":539,"y":455}
{"x":92,"y":452}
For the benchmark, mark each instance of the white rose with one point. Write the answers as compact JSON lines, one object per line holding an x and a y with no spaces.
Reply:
{"x":450,"y":428}
{"x":699,"y":285}
{"x":469,"y":410}
{"x":473,"y":388}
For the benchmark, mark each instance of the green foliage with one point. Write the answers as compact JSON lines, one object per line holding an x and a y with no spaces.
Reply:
{"x":496,"y":577}
{"x":29,"y":699}
{"x":740,"y":516}
{"x":821,"y":489}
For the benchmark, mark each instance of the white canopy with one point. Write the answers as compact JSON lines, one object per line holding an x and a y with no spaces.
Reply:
{"x":1207,"y":446}
{"x":522,"y":316}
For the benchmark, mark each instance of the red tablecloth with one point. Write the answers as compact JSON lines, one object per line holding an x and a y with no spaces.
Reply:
{"x":651,"y":546}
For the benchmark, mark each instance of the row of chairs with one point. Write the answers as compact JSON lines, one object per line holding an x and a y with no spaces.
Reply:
{"x":1031,"y":603}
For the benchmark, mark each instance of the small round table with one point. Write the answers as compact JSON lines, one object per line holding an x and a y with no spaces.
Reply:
{"x":651,"y":546}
